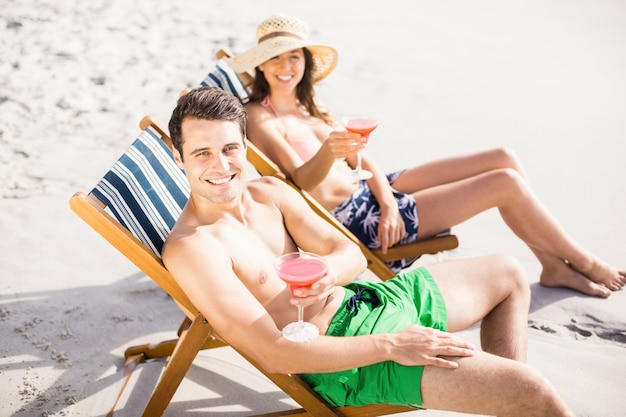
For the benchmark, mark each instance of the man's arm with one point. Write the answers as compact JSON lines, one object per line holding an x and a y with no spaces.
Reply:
{"x":312,"y":233}
{"x":206,"y":275}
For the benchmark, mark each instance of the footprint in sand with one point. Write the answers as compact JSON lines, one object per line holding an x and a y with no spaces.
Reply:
{"x":594,"y":330}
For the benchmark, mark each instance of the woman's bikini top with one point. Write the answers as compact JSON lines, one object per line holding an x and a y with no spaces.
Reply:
{"x":305,"y":149}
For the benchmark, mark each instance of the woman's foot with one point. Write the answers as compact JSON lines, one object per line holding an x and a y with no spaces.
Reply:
{"x":604,"y":274}
{"x":561,"y":274}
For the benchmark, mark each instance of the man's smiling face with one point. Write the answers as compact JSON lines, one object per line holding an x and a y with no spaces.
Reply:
{"x":214,"y":158}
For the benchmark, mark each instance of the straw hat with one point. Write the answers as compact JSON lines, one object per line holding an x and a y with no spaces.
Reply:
{"x":278,"y":34}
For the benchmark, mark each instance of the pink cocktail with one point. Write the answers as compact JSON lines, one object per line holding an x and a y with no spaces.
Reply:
{"x":363,"y":126}
{"x":300,"y":270}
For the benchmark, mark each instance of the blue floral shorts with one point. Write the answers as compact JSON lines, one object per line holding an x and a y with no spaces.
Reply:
{"x":360,"y":213}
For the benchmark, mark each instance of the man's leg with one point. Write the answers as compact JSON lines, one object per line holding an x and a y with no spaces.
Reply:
{"x":493,"y":289}
{"x":491,"y":385}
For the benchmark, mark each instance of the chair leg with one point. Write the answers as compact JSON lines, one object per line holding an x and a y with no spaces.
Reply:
{"x":189,"y":344}
{"x":129,"y":366}
{"x":165,"y":348}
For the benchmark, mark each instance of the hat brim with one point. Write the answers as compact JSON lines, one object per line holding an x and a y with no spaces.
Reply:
{"x":324,"y":56}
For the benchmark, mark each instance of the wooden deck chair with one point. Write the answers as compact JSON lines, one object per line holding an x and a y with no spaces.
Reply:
{"x":134,"y":206}
{"x":238,"y":84}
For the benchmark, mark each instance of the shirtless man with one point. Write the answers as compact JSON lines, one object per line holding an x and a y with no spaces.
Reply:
{"x":222,"y":249}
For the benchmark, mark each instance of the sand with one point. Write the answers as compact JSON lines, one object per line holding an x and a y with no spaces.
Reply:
{"x":544,"y":78}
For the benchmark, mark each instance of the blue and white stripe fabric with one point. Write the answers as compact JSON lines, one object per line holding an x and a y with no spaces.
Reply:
{"x":224,"y":77}
{"x":145,"y":190}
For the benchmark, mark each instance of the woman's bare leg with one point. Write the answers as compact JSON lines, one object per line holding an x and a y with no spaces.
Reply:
{"x":452,"y":169}
{"x":443,"y":206}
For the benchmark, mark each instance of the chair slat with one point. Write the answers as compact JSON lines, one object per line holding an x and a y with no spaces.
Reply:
{"x":222,"y":76}
{"x":145,"y":190}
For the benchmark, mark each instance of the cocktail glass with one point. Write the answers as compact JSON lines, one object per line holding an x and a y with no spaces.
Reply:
{"x":363,"y":126}
{"x":300,"y":270}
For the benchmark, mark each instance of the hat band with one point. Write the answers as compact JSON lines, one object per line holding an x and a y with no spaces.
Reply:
{"x":277,"y":34}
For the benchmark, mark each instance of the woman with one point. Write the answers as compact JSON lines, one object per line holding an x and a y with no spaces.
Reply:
{"x":285,"y":122}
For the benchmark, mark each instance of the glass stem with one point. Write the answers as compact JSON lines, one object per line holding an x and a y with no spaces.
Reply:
{"x":300,"y":314}
{"x":358,"y":161}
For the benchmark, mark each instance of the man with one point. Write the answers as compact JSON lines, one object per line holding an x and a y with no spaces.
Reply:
{"x":222,"y":251}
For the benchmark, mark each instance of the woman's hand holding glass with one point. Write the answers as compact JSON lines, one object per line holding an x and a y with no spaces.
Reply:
{"x":363,"y":126}
{"x":343,"y":144}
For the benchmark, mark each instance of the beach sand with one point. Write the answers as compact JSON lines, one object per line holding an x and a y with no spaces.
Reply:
{"x":544,"y":78}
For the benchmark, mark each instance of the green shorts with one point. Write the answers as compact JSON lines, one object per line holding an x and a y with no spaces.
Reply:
{"x":382,"y":307}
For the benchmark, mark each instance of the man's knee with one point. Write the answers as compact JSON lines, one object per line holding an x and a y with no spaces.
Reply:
{"x":536,"y":388}
{"x":513,"y":274}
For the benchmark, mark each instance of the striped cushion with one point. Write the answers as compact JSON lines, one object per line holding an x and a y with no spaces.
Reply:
{"x":145,"y":190}
{"x":226,"y":79}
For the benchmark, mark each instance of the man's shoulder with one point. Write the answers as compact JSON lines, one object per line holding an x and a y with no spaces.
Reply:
{"x":267,"y":182}
{"x":181,"y":236}
{"x":267,"y":179}
{"x":187,"y":232}
{"x":184,"y":242}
